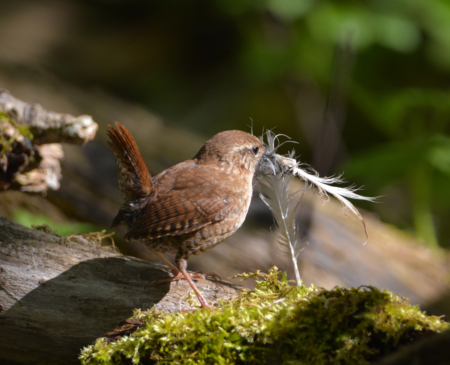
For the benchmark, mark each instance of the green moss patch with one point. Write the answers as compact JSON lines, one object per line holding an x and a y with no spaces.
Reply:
{"x":277,"y":323}
{"x":6,"y":143}
{"x":22,"y":128}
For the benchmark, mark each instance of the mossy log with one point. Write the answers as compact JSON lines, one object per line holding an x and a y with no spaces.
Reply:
{"x":59,"y":294}
{"x":432,"y":350}
{"x":275,"y":323}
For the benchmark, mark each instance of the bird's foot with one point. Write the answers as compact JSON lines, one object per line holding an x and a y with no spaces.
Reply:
{"x":184,"y":275}
{"x":210,"y":275}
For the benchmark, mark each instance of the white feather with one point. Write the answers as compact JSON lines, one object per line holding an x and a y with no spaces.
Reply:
{"x":274,"y":192}
{"x":290,"y":165}
{"x":274,"y":176}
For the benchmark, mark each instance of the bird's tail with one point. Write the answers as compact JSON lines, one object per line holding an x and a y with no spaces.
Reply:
{"x":135,"y":182}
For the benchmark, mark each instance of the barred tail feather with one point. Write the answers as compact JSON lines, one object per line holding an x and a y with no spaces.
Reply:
{"x":135,"y":180}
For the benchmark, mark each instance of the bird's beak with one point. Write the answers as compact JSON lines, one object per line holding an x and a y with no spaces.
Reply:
{"x":268,"y":164}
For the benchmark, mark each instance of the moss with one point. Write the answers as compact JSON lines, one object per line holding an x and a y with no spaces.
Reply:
{"x":6,"y":143}
{"x":277,"y":323}
{"x":25,"y":131}
{"x":5,"y":117}
{"x":22,"y":128}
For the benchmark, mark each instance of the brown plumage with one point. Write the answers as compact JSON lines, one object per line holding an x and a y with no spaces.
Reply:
{"x":192,"y":206}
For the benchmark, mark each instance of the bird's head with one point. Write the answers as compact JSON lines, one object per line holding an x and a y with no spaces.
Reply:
{"x":235,"y":150}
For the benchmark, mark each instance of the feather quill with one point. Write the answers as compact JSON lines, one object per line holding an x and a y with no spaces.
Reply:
{"x":274,"y":176}
{"x":274,"y":192}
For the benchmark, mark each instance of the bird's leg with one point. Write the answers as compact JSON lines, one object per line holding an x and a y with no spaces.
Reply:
{"x":167,"y":262}
{"x":177,"y":273}
{"x":182,"y":265}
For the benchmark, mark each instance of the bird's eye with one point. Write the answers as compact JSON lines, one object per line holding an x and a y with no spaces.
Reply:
{"x":255,"y":150}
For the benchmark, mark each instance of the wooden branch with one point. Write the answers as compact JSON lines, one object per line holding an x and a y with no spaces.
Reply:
{"x":47,"y":174}
{"x":58,"y":295}
{"x":29,"y":155}
{"x":47,"y":126}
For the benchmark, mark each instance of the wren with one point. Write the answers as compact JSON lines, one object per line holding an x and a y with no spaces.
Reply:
{"x":192,"y":206}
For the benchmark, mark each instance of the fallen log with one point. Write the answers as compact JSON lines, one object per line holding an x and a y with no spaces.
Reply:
{"x":58,"y":294}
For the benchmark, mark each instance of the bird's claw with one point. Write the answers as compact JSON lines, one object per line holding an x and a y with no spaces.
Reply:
{"x":210,"y":275}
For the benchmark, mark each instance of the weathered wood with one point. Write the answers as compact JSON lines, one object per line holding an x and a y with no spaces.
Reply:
{"x":57,"y":296}
{"x":30,"y":137}
{"x":48,"y":126}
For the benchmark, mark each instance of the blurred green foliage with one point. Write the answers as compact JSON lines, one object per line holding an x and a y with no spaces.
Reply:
{"x":399,"y":93}
{"x":28,"y":219}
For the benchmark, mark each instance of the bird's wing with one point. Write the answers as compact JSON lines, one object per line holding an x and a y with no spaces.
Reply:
{"x":198,"y":197}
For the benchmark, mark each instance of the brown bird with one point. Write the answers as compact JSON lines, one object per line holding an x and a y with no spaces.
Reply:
{"x":192,"y":206}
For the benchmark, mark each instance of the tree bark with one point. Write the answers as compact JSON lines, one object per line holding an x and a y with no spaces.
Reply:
{"x":58,"y":294}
